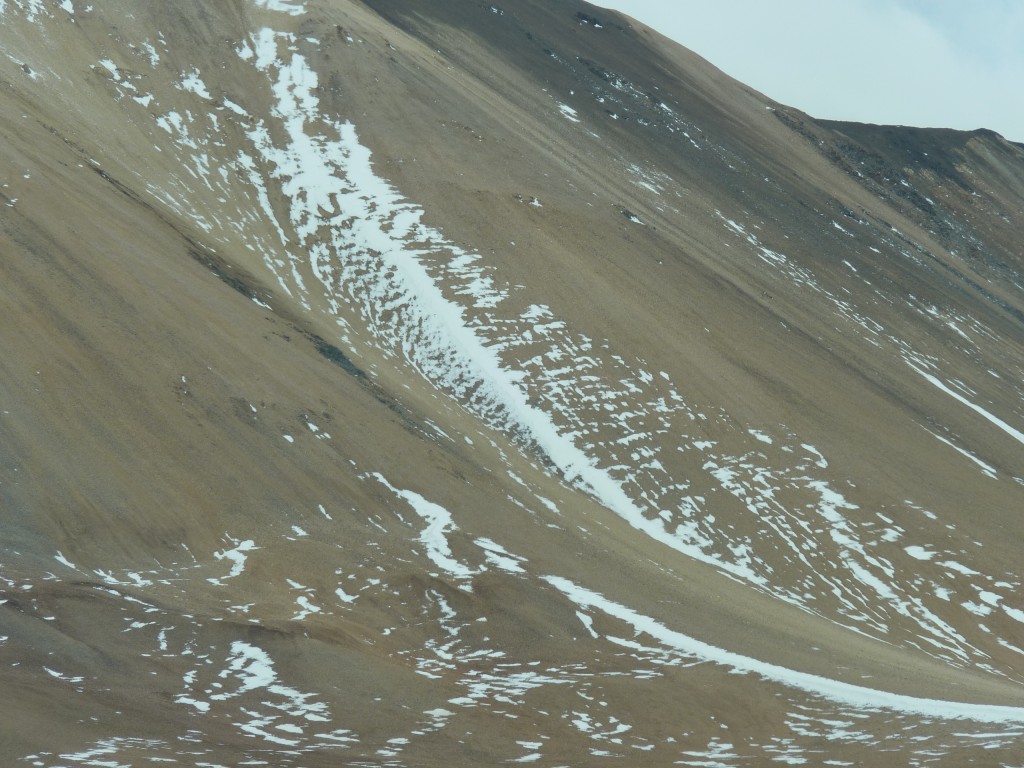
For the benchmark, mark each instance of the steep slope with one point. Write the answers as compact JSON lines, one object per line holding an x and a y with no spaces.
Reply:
{"x":452,"y":382}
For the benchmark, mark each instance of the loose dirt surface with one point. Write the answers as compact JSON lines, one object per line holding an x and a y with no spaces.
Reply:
{"x":455,"y":383}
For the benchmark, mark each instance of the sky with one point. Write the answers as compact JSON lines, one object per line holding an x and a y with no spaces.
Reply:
{"x":932,"y":63}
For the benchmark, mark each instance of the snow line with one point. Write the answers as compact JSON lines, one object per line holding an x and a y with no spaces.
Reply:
{"x":844,"y":693}
{"x":1016,"y":434}
{"x":435,"y":536}
{"x":378,"y":253}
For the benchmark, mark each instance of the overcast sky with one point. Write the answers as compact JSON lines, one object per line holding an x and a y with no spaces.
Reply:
{"x":942,"y":63}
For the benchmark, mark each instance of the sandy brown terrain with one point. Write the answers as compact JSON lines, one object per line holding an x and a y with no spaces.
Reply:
{"x":454,"y":383}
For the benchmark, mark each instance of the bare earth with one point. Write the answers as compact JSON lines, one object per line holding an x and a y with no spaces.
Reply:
{"x":409,"y":383}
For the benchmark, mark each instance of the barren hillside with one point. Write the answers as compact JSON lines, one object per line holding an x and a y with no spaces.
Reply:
{"x":439,"y":382}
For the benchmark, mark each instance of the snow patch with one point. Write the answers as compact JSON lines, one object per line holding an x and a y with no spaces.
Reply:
{"x":568,"y":113}
{"x":291,"y":7}
{"x":435,"y":536}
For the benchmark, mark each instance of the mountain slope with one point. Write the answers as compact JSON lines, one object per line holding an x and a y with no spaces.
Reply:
{"x":446,"y":382}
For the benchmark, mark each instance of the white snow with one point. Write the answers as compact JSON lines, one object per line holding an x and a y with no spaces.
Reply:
{"x":62,"y":676}
{"x":1015,"y":614}
{"x":987,"y":469}
{"x":344,"y":596}
{"x":307,"y":608}
{"x":253,"y":668}
{"x":236,"y":556}
{"x":194,"y":84}
{"x":238,"y":110}
{"x":568,"y":112}
{"x":291,"y":7}
{"x":154,"y":57}
{"x":501,"y":558}
{"x":336,"y":175}
{"x":435,"y":536}
{"x":856,"y":696}
{"x":919,"y":553}
{"x":1011,"y":431}
{"x":367,"y":246}
{"x":819,"y":459}
{"x":59,"y":557}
